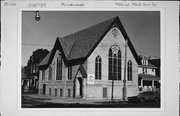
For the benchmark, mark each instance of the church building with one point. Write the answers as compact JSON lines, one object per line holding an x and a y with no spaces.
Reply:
{"x":91,"y":64}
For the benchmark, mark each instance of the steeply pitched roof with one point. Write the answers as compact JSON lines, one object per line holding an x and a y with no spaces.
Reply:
{"x":81,"y":44}
{"x":83,"y":71}
{"x":155,"y":62}
{"x":45,"y":60}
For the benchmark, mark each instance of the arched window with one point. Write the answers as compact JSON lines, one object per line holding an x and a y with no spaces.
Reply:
{"x":43,"y":75}
{"x":129,"y":71}
{"x":59,"y":69}
{"x":70,"y":73}
{"x":115,"y":32}
{"x":98,"y":67}
{"x":50,"y":73}
{"x":114,"y":63}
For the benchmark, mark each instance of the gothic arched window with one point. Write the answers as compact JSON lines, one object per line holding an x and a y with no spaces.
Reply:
{"x":59,"y":69}
{"x":98,"y":67}
{"x":50,"y":73}
{"x":114,"y":63}
{"x":129,"y":71}
{"x":115,"y":32}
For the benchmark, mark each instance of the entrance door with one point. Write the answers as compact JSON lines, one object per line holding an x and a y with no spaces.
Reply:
{"x":79,"y":88}
{"x":44,"y":89}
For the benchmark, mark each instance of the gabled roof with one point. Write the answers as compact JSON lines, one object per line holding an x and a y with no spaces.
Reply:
{"x":46,"y":59}
{"x":81,"y":44}
{"x":155,"y":62}
{"x":82,"y":71}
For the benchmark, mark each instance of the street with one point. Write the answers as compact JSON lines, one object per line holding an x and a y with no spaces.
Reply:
{"x":37,"y":101}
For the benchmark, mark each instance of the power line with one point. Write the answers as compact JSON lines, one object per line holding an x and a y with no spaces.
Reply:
{"x":147,"y":54}
{"x":35,"y":45}
{"x":52,"y":45}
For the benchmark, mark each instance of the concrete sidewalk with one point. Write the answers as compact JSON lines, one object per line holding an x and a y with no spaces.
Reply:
{"x":41,"y":101}
{"x":54,"y":99}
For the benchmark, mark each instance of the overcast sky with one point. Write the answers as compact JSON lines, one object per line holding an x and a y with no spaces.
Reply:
{"x":142,"y":27}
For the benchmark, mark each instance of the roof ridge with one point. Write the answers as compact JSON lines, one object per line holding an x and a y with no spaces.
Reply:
{"x":111,"y":20}
{"x":82,"y":43}
{"x":91,"y":26}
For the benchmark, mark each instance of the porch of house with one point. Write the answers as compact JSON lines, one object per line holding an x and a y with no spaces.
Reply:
{"x":147,"y":82}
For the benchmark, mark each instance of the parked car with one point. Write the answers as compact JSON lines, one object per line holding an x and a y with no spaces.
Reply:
{"x":133,"y":99}
{"x":149,"y":96}
{"x":145,"y":96}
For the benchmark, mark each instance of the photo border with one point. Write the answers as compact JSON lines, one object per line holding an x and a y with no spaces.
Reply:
{"x":170,"y":106}
{"x":162,"y":56}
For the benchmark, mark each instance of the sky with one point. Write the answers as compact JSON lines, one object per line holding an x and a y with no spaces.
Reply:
{"x":142,"y":27}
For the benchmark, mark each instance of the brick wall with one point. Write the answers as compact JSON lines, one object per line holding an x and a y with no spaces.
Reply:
{"x":95,"y":91}
{"x":63,"y":84}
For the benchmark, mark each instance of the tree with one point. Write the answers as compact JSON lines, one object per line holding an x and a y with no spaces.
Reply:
{"x":36,"y":57}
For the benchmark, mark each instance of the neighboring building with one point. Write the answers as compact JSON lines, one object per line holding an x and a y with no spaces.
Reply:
{"x":25,"y":80}
{"x":156,"y":62}
{"x":30,"y":73}
{"x":84,"y":64}
{"x":149,"y":75}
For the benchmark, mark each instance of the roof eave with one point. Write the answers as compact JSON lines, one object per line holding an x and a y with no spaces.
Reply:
{"x":147,"y":66}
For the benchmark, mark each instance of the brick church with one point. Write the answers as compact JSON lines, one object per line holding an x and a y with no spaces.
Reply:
{"x":89,"y":64}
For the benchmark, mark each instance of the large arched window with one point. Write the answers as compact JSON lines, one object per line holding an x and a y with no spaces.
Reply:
{"x":98,"y":67}
{"x":129,"y":71}
{"x":50,"y":73}
{"x":114,"y":63}
{"x":59,"y":69}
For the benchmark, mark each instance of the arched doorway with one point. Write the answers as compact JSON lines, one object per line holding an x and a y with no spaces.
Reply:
{"x":79,"y":88}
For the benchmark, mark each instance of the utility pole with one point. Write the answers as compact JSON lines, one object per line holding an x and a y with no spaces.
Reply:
{"x":124,"y":81}
{"x":112,"y":81}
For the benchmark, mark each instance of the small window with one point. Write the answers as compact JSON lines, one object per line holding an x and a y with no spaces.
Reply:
{"x":55,"y":90}
{"x":129,"y":71}
{"x":49,"y":91}
{"x":69,"y":92}
{"x":153,"y":70}
{"x":61,"y":92}
{"x":98,"y":67}
{"x":36,"y":68}
{"x":104,"y":92}
{"x":115,"y":32}
{"x":70,"y":73}
{"x":146,"y":70}
{"x":50,"y":73}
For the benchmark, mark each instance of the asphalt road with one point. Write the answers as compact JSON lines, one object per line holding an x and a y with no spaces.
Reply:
{"x":44,"y":102}
{"x":77,"y":105}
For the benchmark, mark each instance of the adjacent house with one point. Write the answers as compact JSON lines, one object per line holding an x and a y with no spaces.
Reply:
{"x":30,"y":73}
{"x":149,"y":75}
{"x":89,"y":64}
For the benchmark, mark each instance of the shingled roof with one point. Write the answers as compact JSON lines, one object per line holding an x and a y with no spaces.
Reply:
{"x":46,"y":59}
{"x":82,"y":43}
